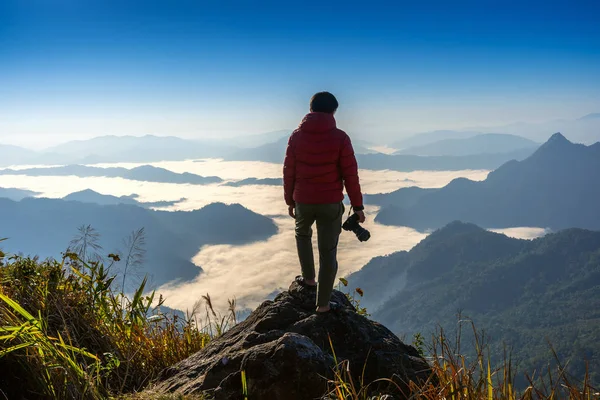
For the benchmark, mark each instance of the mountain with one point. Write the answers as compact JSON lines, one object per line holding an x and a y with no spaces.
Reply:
{"x":590,"y":116}
{"x":145,"y":173}
{"x":256,"y":181}
{"x":490,"y":143}
{"x":14,"y":155}
{"x":557,"y":187}
{"x":405,"y":197}
{"x":584,"y":130}
{"x":136,"y":149}
{"x":45,"y":227}
{"x":290,"y":354}
{"x":16,"y":194}
{"x":520,"y":292}
{"x":421,"y":139}
{"x":275,"y":152}
{"x":90,"y":196}
{"x":363,"y":147}
{"x":407,"y":163}
{"x":261,"y":139}
{"x":271,"y":152}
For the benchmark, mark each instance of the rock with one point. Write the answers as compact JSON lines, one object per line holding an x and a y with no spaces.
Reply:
{"x":285,"y":349}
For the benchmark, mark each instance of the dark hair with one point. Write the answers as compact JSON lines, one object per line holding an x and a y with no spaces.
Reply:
{"x":323,"y":102}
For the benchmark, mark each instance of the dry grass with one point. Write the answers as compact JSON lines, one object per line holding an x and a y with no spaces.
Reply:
{"x":456,"y":376}
{"x":69,"y":335}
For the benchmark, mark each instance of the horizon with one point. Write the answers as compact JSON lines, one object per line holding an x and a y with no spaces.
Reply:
{"x":216,"y":139}
{"x":76,"y":71}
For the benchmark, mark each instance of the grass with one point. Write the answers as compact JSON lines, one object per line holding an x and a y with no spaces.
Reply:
{"x":456,"y":376}
{"x":67,"y":333}
{"x":151,"y":395}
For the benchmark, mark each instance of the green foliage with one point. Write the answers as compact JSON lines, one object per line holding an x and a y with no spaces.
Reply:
{"x":67,"y":333}
{"x":525,"y":294}
{"x":471,"y":377}
{"x":418,"y":343}
{"x":71,"y":335}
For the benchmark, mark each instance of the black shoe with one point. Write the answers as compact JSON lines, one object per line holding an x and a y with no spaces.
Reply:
{"x":302,"y":282}
{"x":333,"y":307}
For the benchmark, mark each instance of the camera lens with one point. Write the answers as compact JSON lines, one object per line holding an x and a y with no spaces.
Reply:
{"x":362,"y":234}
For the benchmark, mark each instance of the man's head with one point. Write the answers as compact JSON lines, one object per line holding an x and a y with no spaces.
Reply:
{"x":323,"y":102}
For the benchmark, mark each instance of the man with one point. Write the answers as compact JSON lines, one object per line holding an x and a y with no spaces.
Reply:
{"x":319,"y":162}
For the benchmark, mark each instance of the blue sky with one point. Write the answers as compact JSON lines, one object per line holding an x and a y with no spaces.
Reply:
{"x":81,"y":68}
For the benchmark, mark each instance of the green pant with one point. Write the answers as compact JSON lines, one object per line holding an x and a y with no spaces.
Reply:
{"x":329,"y":227}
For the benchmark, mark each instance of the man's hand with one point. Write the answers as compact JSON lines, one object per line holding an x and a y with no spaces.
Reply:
{"x":361,"y":216}
{"x":292,"y":211}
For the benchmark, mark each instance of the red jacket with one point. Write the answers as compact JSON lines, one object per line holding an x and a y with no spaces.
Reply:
{"x":319,"y":162}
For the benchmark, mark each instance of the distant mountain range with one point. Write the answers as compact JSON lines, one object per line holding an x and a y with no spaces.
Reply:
{"x":13,"y":155}
{"x":146,"y":173}
{"x":425,"y":138}
{"x":556,"y":187}
{"x":110,"y":149}
{"x":268,"y":147}
{"x":90,"y":196}
{"x":138,"y":149}
{"x":584,"y":130}
{"x":407,"y":163}
{"x":491,"y":143}
{"x":16,"y":194}
{"x":45,"y":227}
{"x":257,"y":140}
{"x":275,"y":152}
{"x":255,"y":181}
{"x":519,"y":291}
{"x":368,"y":159}
{"x":581,"y":130}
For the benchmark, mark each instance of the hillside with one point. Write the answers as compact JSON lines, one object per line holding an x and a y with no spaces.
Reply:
{"x":405,"y":197}
{"x":369,"y":159}
{"x":556,"y":187}
{"x":273,"y":152}
{"x":145,"y":173}
{"x":257,"y":140}
{"x":521,"y":292}
{"x":255,"y":181}
{"x":425,"y":138}
{"x":146,"y":148}
{"x":90,"y":196}
{"x":490,"y":143}
{"x":408,"y":163}
{"x":16,"y":194}
{"x":13,"y":155}
{"x":45,"y":227}
{"x":585,"y":129}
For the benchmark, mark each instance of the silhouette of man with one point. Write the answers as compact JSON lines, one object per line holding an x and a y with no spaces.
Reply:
{"x":319,"y":162}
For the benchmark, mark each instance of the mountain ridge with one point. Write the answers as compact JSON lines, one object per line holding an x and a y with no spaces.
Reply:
{"x":44,"y":227}
{"x":557,"y":187}
{"x":521,"y":290}
{"x":487,"y":143}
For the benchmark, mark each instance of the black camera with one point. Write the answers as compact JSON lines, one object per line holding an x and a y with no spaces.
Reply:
{"x":353,"y":225}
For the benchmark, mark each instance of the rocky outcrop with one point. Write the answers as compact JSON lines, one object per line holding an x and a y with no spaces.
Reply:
{"x":287,"y":352}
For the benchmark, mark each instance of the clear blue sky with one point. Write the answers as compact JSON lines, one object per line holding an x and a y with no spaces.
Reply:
{"x":81,"y":68}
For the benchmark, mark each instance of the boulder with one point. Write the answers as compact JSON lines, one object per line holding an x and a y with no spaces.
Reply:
{"x":287,"y":351}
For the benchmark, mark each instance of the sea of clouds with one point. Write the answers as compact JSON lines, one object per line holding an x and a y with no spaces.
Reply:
{"x":250,"y":273}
